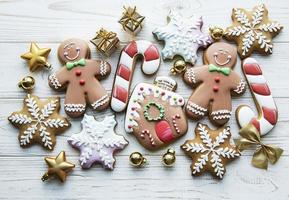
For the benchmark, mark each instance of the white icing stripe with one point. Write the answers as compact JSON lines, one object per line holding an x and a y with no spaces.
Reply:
{"x":74,"y":107}
{"x":100,"y":102}
{"x":148,"y":67}
{"x":256,"y":79}
{"x":54,"y":81}
{"x":116,"y":104}
{"x":245,"y":114}
{"x":121,"y":82}
{"x":126,"y":60}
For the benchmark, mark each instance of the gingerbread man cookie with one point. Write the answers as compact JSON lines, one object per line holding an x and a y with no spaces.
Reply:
{"x":80,"y":77}
{"x":155,"y":115}
{"x":215,"y":82}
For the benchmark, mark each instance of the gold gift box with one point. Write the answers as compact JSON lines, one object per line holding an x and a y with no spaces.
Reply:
{"x":131,"y":21}
{"x":105,"y":41}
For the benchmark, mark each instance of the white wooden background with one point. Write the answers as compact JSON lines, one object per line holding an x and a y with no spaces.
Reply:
{"x":49,"y":22}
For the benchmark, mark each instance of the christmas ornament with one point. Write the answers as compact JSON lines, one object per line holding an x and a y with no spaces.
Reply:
{"x":39,"y":121}
{"x":125,"y":69}
{"x":267,"y":116}
{"x":57,"y":166}
{"x":37,"y":57}
{"x":252,"y":30}
{"x":97,"y":142}
{"x":27,"y":83}
{"x":215,"y":82}
{"x":105,"y":41}
{"x":137,"y":159}
{"x":131,"y":20}
{"x":211,"y":150}
{"x":179,"y":67}
{"x":264,"y":153}
{"x":169,"y":158}
{"x":80,"y":76}
{"x":182,"y":36}
{"x":216,"y":32}
{"x":155,"y":115}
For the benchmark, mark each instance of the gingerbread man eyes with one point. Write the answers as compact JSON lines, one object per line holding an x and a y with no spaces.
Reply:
{"x":67,"y":48}
{"x":223,"y":53}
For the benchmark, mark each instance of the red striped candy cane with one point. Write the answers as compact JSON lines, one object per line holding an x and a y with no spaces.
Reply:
{"x":266,"y":107}
{"x":126,"y":65}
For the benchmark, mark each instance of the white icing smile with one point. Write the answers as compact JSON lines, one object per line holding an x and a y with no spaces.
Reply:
{"x":222,"y":52}
{"x":67,"y":48}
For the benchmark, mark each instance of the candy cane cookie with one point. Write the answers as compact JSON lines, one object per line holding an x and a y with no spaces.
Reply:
{"x":266,"y":107}
{"x":125,"y":69}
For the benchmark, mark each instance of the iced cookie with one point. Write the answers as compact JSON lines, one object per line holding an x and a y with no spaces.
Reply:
{"x":39,"y":121}
{"x":182,"y":36}
{"x":252,"y":30}
{"x":215,"y":82}
{"x":154,"y":114}
{"x":125,"y":68}
{"x":80,"y":77}
{"x":97,"y":142}
{"x":211,"y":150}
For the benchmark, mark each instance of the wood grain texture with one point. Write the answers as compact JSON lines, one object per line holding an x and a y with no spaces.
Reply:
{"x":50,"y":22}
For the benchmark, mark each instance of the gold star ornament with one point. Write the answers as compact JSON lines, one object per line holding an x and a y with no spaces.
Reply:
{"x":210,"y":150}
{"x":57,"y":166}
{"x":37,"y":57}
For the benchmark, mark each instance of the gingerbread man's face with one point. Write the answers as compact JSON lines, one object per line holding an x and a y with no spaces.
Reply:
{"x":221,"y":54}
{"x":73,"y":50}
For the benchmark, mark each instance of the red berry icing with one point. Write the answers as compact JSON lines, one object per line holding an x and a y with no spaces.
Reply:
{"x":78,"y":72}
{"x":216,"y":88}
{"x":217,"y":79}
{"x":81,"y":82}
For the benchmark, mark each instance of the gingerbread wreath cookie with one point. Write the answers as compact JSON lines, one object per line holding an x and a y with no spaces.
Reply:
{"x":39,"y":121}
{"x":79,"y":76}
{"x":154,"y":114}
{"x":214,"y":82}
{"x":211,"y":150}
{"x":252,"y":30}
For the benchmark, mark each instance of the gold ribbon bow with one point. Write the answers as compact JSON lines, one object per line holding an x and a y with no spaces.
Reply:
{"x":264,"y":153}
{"x":131,"y":16}
{"x":105,"y":37}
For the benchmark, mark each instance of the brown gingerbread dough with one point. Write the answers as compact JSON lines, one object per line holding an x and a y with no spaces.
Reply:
{"x":79,"y":76}
{"x":215,"y":82}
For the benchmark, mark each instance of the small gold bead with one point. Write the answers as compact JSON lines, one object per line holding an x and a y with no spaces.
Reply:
{"x":27,"y":83}
{"x":178,"y":67}
{"x":169,"y":157}
{"x":137,"y":159}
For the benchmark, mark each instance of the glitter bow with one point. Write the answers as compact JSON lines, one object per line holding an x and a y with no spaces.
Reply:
{"x":264,"y":153}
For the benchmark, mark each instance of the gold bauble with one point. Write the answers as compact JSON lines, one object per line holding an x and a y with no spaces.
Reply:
{"x":27,"y":83}
{"x":169,"y":157}
{"x":178,"y":67}
{"x":137,"y":159}
{"x":216,"y":32}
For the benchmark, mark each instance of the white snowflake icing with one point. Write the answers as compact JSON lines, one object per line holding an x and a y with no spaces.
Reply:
{"x":97,"y":141}
{"x":253,"y":30}
{"x":38,"y":120}
{"x":183,"y":36}
{"x":211,"y":149}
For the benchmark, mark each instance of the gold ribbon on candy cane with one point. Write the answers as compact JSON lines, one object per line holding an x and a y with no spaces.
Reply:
{"x":105,"y":37}
{"x":264,"y":153}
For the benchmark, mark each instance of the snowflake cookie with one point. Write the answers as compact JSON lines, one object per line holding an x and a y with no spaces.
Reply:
{"x":97,"y":141}
{"x":182,"y":36}
{"x":210,"y":150}
{"x":39,"y":121}
{"x":252,"y":30}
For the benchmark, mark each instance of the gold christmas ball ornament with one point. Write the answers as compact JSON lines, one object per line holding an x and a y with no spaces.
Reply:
{"x":169,"y":158}
{"x":216,"y":32}
{"x":27,"y":83}
{"x":179,"y":67}
{"x":137,"y":159}
{"x":37,"y":57}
